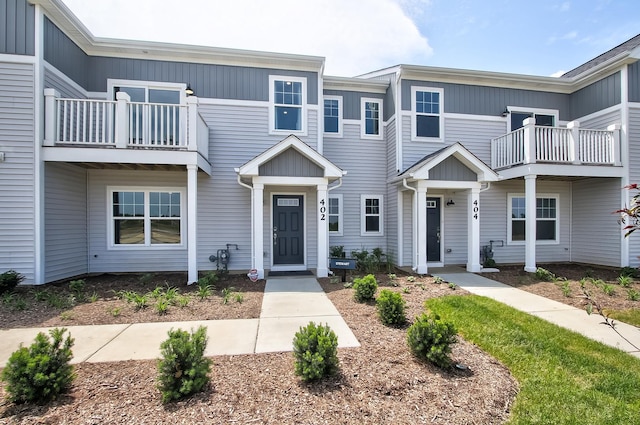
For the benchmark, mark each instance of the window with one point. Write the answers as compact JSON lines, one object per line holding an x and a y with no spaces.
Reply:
{"x":371,"y":123}
{"x":333,"y":115}
{"x":287,"y":100}
{"x":543,"y":117}
{"x":546,"y":218}
{"x":335,"y":215}
{"x":371,"y":220}
{"x":427,"y":111}
{"x":146,"y":217}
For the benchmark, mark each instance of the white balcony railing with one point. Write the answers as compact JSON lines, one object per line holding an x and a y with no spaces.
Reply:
{"x":124,"y":124}
{"x":571,"y":145}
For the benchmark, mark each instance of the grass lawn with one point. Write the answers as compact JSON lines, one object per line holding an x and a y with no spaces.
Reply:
{"x":564,"y":377}
{"x":631,"y":316}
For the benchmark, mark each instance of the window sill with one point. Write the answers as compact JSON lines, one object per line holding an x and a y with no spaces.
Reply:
{"x":522,"y":243}
{"x":133,"y":247}
{"x":427,"y":139}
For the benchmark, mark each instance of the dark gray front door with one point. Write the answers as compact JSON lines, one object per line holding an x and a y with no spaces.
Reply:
{"x":433,"y":229}
{"x":288,"y":231}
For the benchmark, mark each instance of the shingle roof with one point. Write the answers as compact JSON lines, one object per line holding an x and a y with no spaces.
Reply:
{"x":627,"y":46}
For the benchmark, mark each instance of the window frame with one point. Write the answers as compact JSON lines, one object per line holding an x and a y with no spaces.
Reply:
{"x":272,"y":105}
{"x":146,"y":218}
{"x":147,"y":85}
{"x":363,"y":118}
{"x":510,"y":219}
{"x":415,"y":114}
{"x":532,"y":111}
{"x":340,"y":215}
{"x":363,"y":215}
{"x":340,"y":112}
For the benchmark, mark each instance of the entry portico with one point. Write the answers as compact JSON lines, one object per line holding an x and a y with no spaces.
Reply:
{"x":455,"y":169}
{"x":285,"y":171}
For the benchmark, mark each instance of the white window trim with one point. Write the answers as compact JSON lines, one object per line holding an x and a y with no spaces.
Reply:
{"x":535,"y":111}
{"x":340,"y":214}
{"x":272,"y":105}
{"x":363,"y":231}
{"x":111,"y":245}
{"x":339,"y":99}
{"x":555,"y":196}
{"x":181,"y":87}
{"x":363,"y":125}
{"x":414,"y":114}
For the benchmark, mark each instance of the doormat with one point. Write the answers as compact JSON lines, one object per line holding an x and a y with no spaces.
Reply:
{"x":294,"y":273}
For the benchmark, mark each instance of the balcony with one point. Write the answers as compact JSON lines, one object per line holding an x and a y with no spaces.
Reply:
{"x":124,"y":132}
{"x":569,"y":151}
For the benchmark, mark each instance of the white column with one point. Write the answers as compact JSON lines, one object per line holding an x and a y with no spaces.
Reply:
{"x":421,"y":229}
{"x":615,"y":144}
{"x":529,"y":141}
{"x":322,"y":269}
{"x":192,"y":224}
{"x":574,"y":140}
{"x":530,"y":223}
{"x":473,"y":230}
{"x":258,"y":229}
{"x":122,"y":119}
{"x":50,"y":96}
{"x":192,"y":128}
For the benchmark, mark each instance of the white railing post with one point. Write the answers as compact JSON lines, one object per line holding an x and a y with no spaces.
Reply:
{"x":615,"y":143}
{"x":50,"y":96}
{"x":122,"y":120}
{"x":574,"y":141}
{"x":192,"y":125}
{"x":529,"y":141}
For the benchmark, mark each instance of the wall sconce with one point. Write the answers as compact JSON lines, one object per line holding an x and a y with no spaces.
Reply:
{"x":189,"y":90}
{"x":450,"y":203}
{"x":505,"y":112}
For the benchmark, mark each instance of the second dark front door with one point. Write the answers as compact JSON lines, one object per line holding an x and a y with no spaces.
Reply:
{"x":288,"y":230}
{"x":433,"y":230}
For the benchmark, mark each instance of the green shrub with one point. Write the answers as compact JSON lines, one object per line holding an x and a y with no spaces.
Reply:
{"x":41,"y":372}
{"x":183,"y":369}
{"x":9,"y":280}
{"x":365,"y":288}
{"x":315,"y":349}
{"x":430,"y":339}
{"x":625,"y":281}
{"x":545,"y":275}
{"x":633,"y":295}
{"x":629,"y":272}
{"x":391,"y":308}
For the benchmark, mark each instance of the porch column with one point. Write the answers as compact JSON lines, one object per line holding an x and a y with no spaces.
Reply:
{"x":421,"y":229}
{"x":322,"y":269}
{"x":615,"y":144}
{"x":122,"y":120}
{"x":50,"y":96}
{"x":192,"y":225}
{"x":530,"y":223}
{"x":574,"y":141}
{"x":473,"y":230}
{"x":192,"y":127}
{"x":258,"y":229}
{"x":529,"y":140}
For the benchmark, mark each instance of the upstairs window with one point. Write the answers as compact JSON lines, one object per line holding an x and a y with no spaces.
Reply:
{"x":547,"y":118}
{"x":371,"y":118}
{"x":287,"y":103}
{"x":333,"y":115}
{"x":427,"y":112}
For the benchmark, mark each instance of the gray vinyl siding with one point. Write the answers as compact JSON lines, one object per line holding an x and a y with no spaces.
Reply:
{"x":455,"y":227}
{"x":595,"y":97}
{"x":291,"y":163}
{"x":365,"y":176}
{"x":17,"y":27}
{"x":594,"y":201}
{"x":103,"y":259}
{"x":494,"y":215}
{"x":601,"y":121}
{"x":65,"y":221}
{"x":351,"y":102}
{"x":17,"y":186}
{"x":480,"y":100}
{"x":54,"y":81}
{"x":65,"y":55}
{"x":634,"y":177}
{"x":634,"y":82}
{"x":407,"y":228}
{"x":391,"y":197}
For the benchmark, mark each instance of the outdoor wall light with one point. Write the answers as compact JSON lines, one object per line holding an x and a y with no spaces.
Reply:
{"x":189,"y":90}
{"x":450,"y":203}
{"x":505,"y":112}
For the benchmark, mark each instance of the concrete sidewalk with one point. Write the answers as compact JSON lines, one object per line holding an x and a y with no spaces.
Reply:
{"x":555,"y":312}
{"x":288,"y":303}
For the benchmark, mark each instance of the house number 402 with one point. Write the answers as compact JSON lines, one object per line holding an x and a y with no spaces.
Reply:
{"x":323,"y":210}
{"x":475,"y":209}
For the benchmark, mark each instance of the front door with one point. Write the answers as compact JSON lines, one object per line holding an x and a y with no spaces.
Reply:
{"x":288,"y":229}
{"x":433,"y":230}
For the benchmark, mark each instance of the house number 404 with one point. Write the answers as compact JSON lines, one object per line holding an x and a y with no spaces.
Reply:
{"x":323,"y":210}
{"x":475,"y":209}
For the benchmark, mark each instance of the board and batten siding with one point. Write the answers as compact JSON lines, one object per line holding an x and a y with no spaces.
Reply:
{"x":53,"y":80}
{"x":594,"y":201}
{"x":103,"y":259}
{"x":634,"y":177}
{"x":17,"y":186}
{"x":634,"y":82}
{"x":65,"y":215}
{"x":17,"y":27}
{"x":596,"y":97}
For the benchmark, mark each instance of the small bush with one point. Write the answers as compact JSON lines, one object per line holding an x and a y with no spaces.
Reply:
{"x":633,"y":295}
{"x":625,"y":281}
{"x":629,"y":272}
{"x":41,"y":372}
{"x":315,"y":349}
{"x":391,"y":308}
{"x":430,"y":339}
{"x":545,"y":275}
{"x":365,"y":288}
{"x":9,"y":280}
{"x":183,"y":369}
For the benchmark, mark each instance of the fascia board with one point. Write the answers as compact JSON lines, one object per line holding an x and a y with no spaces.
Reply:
{"x":355,"y":84}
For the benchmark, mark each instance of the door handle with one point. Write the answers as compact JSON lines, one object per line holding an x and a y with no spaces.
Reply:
{"x":275,"y":235}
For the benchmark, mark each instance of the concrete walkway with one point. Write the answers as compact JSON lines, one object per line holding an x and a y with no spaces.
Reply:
{"x":557,"y":313}
{"x":288,"y":303}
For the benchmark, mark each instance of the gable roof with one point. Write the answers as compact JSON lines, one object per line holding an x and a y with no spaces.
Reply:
{"x":420,"y":170}
{"x":624,"y":48}
{"x":252,"y":168}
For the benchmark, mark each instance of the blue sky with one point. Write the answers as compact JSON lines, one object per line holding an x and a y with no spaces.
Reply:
{"x":545,"y":37}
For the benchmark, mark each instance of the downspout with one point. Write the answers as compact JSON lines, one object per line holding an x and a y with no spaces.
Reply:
{"x":329,"y":189}
{"x":414,"y":220}
{"x":253,"y":259}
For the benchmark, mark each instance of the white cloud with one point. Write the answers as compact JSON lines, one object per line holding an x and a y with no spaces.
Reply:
{"x":558,"y":73}
{"x":355,"y":37}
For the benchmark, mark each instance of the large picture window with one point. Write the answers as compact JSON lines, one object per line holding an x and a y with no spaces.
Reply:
{"x":287,"y":98}
{"x":142,"y":217}
{"x":546,"y":218}
{"x":371,"y":210}
{"x":427,"y":112}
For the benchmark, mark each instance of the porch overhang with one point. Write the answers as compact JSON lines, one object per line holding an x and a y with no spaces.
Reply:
{"x":565,"y":170}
